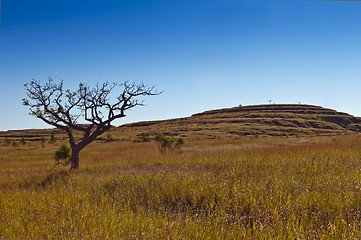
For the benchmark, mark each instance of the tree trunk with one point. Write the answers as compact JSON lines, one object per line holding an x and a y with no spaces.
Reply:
{"x":74,"y":158}
{"x":77,"y":147}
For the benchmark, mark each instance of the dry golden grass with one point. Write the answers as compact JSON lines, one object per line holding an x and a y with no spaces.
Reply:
{"x":267,"y":188}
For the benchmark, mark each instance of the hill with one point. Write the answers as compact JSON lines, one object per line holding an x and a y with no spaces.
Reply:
{"x":236,"y":122}
{"x":257,"y":120}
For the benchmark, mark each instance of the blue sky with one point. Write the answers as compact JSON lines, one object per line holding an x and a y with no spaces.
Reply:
{"x":204,"y":54}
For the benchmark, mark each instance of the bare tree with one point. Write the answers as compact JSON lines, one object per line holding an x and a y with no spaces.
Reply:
{"x":63,"y":108}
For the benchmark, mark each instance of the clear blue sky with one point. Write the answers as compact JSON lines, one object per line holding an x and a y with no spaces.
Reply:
{"x":205,"y":54}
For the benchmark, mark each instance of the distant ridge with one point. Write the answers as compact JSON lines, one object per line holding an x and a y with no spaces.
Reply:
{"x":236,"y":122}
{"x":255,"y":120}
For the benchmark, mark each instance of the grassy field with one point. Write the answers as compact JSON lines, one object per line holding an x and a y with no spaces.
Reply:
{"x":264,"y":188}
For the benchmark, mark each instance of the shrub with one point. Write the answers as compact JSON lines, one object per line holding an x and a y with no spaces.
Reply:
{"x":43,"y":140}
{"x":52,"y":138}
{"x":23,"y":141}
{"x":110,"y":138}
{"x":178,"y":143}
{"x":7,"y":142}
{"x":62,"y":155}
{"x":167,"y":143}
{"x":143,"y":137}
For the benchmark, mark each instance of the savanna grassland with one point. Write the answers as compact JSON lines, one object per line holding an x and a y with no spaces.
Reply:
{"x":260,"y":188}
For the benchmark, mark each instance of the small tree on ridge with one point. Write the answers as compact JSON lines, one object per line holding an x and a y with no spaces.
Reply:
{"x":63,"y":108}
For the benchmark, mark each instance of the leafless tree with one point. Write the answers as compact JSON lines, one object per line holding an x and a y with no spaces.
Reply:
{"x":64,"y":108}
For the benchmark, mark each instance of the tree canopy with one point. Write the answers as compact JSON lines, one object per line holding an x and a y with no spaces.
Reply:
{"x":63,"y":108}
